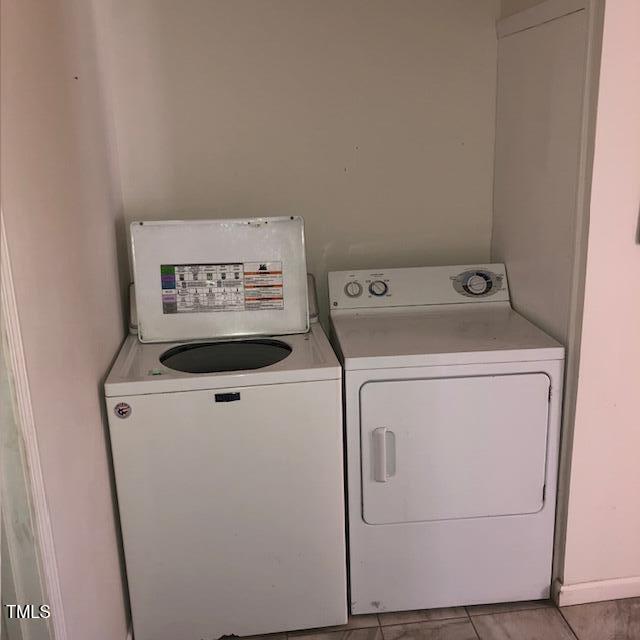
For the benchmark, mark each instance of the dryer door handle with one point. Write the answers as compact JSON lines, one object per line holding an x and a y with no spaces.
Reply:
{"x":383,"y":456}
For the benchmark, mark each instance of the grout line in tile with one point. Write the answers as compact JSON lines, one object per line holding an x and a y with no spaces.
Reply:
{"x":473,"y":625}
{"x":396,"y":623}
{"x":468,"y":616}
{"x":564,"y":620}
{"x":571,"y":629}
{"x":496,"y":613}
{"x":420,"y":622}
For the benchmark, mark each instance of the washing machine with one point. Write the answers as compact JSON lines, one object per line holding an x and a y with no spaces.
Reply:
{"x":452,"y":412}
{"x":225,"y":417}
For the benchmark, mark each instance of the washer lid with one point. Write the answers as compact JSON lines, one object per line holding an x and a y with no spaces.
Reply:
{"x":200,"y":279}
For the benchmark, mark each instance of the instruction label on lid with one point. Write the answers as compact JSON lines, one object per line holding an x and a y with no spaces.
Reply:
{"x":205,"y":288}
{"x":263,"y":285}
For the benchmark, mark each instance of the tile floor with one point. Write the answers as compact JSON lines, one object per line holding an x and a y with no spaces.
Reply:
{"x":539,"y":620}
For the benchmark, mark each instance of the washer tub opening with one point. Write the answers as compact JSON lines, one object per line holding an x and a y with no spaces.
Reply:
{"x":234,"y":355}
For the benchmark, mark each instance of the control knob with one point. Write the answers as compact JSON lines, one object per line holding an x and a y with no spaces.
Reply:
{"x":478,"y":283}
{"x":353,"y":289}
{"x":378,"y":288}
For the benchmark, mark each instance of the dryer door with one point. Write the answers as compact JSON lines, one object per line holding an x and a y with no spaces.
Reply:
{"x":448,"y":448}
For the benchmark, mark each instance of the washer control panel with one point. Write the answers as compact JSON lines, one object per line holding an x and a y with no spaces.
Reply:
{"x":418,"y":286}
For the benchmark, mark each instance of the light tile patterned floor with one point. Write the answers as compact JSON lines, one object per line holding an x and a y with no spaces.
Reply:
{"x":613,"y":620}
{"x":536,"y":620}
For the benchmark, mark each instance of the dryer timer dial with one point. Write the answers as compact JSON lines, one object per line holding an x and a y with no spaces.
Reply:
{"x":477,"y":283}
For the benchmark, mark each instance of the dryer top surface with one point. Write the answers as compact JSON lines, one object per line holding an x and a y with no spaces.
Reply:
{"x":440,"y":335}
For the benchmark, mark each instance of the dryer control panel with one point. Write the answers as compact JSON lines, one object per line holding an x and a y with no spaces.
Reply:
{"x":417,"y":286}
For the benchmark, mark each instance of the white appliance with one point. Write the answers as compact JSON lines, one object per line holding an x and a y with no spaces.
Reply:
{"x":228,"y":454}
{"x":452,"y":404}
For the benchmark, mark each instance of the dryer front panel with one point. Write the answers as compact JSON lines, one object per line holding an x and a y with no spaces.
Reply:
{"x":452,"y":448}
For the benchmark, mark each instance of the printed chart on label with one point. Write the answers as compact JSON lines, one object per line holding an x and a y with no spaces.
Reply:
{"x":202,"y":288}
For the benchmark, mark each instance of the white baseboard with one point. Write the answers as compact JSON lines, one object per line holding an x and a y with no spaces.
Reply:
{"x":597,"y":591}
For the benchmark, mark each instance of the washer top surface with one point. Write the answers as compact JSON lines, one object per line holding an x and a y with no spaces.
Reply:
{"x":303,"y":357}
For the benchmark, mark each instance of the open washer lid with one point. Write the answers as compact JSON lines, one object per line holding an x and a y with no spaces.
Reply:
{"x":198,"y":279}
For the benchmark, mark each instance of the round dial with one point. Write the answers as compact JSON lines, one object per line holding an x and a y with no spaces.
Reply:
{"x":378,"y":288}
{"x":353,"y":289}
{"x":478,"y":283}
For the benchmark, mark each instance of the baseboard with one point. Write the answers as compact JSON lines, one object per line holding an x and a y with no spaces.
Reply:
{"x":597,"y":591}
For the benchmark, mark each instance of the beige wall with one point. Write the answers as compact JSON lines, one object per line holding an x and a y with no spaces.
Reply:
{"x":542,"y":150}
{"x":372,"y":119}
{"x":603,"y":527}
{"x":509,"y":7}
{"x":541,"y":76}
{"x":60,"y":214}
{"x":547,"y":84}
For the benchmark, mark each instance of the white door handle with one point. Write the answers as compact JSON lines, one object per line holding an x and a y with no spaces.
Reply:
{"x":380,"y":454}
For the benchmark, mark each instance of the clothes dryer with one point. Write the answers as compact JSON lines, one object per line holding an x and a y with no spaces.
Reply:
{"x":452,"y":404}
